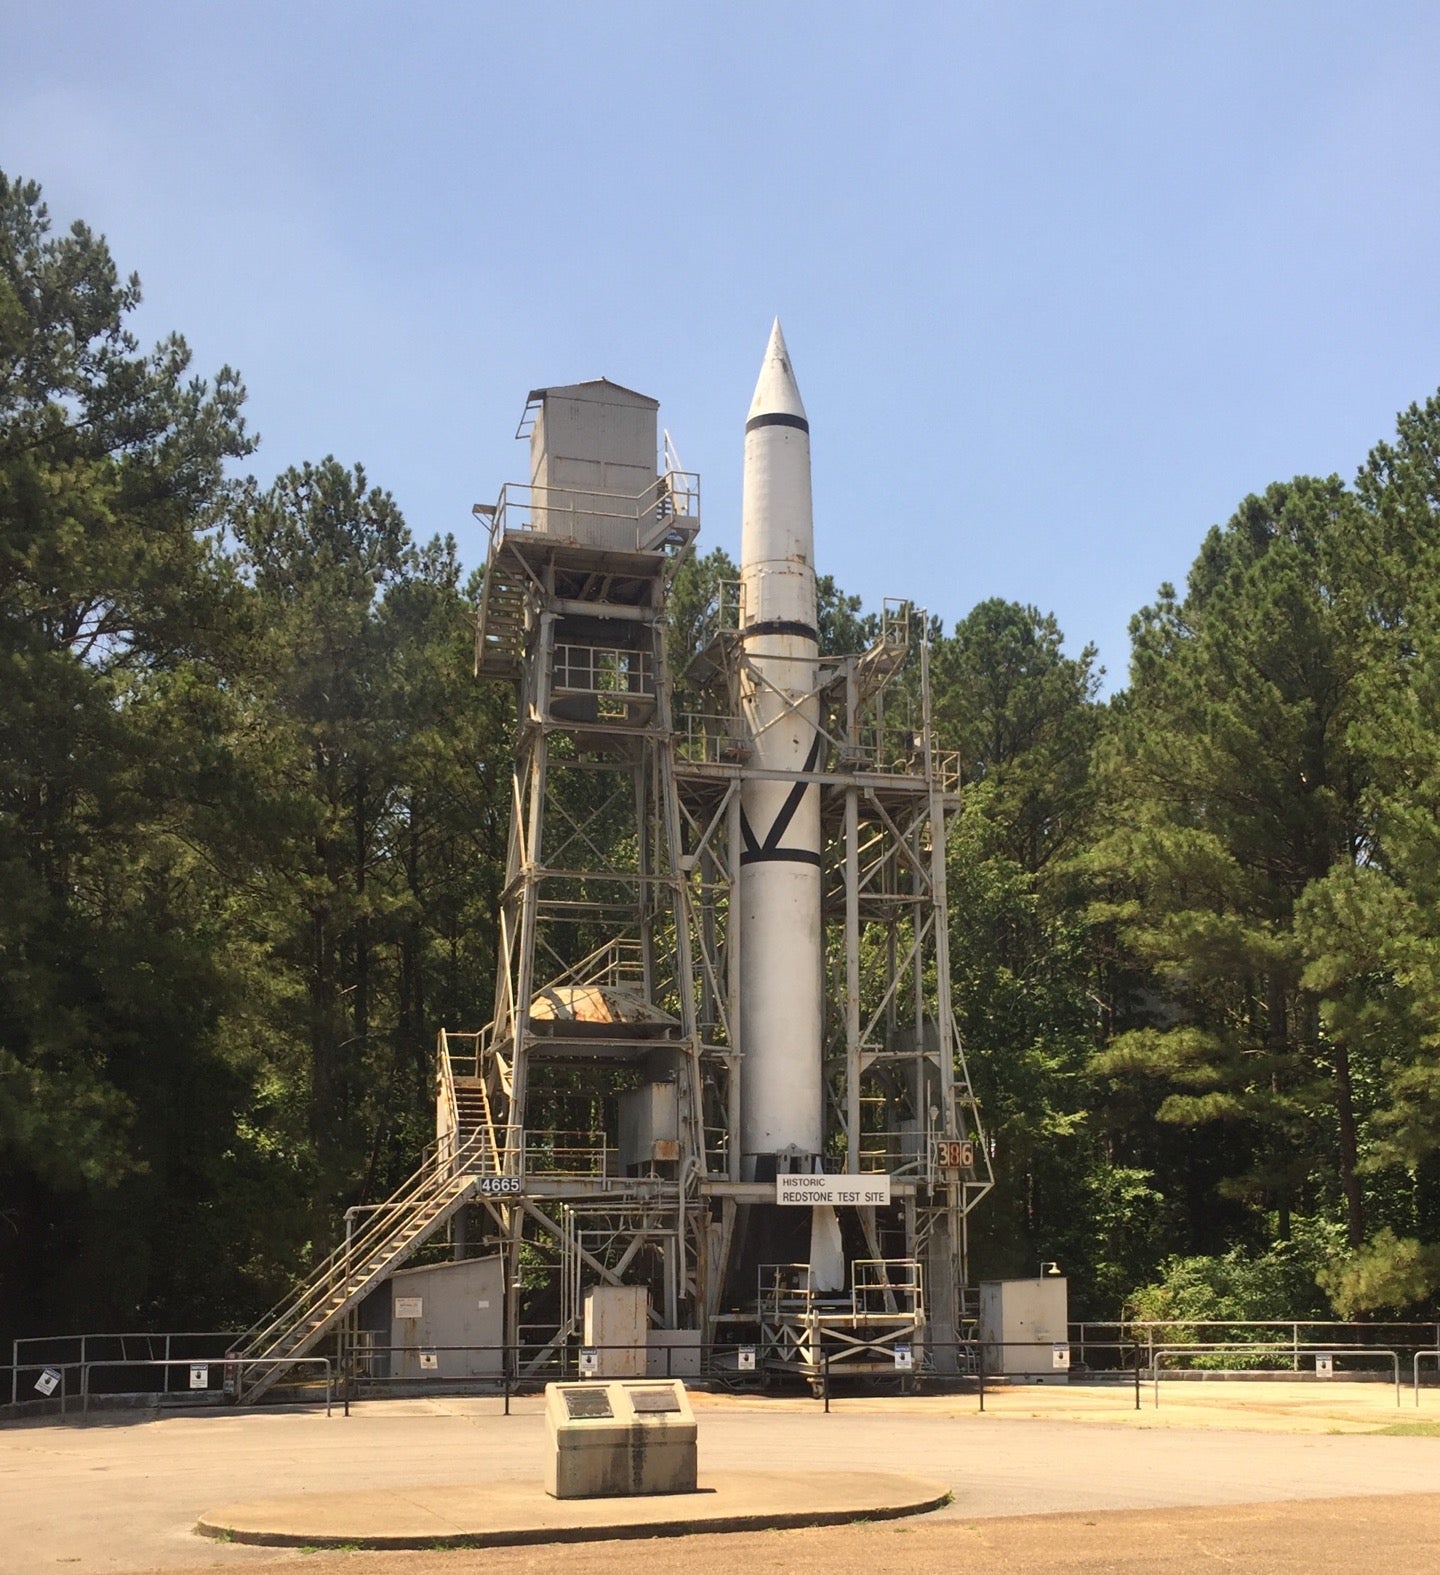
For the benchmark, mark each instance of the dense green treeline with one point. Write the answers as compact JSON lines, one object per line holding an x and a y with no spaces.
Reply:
{"x":253,"y":813}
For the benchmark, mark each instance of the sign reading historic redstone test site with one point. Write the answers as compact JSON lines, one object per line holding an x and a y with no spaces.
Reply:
{"x":837,"y":1191}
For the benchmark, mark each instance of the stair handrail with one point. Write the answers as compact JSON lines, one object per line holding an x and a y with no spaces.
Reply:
{"x":445,"y":1075}
{"x":446,"y":1072}
{"x":291,"y":1309}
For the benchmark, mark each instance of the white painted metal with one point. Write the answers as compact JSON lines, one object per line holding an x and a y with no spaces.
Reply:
{"x":780,"y":930}
{"x":1022,"y":1324}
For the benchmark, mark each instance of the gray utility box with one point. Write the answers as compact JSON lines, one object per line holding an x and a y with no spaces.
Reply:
{"x":447,"y":1320}
{"x":619,"y":1440}
{"x":617,"y":1326}
{"x":650,"y":1130}
{"x":1024,"y":1327}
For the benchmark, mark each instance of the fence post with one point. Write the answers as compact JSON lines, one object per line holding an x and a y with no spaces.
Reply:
{"x":825,"y":1378}
{"x":980,"y":1369}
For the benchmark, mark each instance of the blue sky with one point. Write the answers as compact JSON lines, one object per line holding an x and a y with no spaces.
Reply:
{"x":1062,"y":282}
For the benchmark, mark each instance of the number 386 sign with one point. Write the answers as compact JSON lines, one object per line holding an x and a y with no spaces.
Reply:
{"x":955,"y":1154}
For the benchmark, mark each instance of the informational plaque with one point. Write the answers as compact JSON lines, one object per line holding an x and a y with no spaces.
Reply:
{"x":587,"y":1405}
{"x":199,"y":1375}
{"x":838,"y":1191}
{"x":654,"y":1400}
{"x":409,"y":1306}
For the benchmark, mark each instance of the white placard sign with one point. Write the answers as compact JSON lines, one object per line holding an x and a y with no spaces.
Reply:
{"x":838,"y":1191}
{"x":48,"y":1381}
{"x":429,"y":1362}
{"x":904,"y":1358}
{"x":745,"y":1359}
{"x":589,"y":1361}
{"x":199,"y":1375}
{"x":1059,"y":1357}
{"x":409,"y":1306}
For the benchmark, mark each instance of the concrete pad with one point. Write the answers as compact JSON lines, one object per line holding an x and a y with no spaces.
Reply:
{"x":505,"y":1514}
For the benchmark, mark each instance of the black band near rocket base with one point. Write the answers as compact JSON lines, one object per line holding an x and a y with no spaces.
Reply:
{"x":780,"y":626}
{"x":778,"y":418}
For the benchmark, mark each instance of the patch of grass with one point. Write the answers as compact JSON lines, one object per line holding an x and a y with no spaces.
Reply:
{"x":1410,"y":1430}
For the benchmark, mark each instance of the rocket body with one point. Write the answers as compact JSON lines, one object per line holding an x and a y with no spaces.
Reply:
{"x":782,"y":1097}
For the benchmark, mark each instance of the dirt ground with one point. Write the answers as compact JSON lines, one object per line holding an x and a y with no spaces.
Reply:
{"x":1251,"y":1477}
{"x":1398,"y":1535}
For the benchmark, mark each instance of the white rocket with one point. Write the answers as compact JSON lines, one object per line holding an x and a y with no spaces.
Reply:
{"x":782,"y":1098}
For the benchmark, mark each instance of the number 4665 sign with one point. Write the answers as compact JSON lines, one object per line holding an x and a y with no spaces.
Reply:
{"x":955,"y":1154}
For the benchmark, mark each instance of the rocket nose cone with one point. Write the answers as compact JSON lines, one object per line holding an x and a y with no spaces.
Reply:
{"x":776,"y":391}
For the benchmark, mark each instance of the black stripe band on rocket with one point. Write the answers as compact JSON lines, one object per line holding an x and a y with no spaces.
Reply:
{"x":770,"y":852}
{"x":777,"y":418}
{"x":780,"y":626}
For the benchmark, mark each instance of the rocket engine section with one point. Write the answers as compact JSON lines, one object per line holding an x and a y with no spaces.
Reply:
{"x":782,"y":1098}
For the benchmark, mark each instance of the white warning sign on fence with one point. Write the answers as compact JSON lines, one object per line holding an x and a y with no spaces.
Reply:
{"x":199,"y":1375}
{"x":48,"y":1381}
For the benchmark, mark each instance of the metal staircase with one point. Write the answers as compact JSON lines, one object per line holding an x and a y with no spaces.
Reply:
{"x":500,"y":629}
{"x":395,"y":1229}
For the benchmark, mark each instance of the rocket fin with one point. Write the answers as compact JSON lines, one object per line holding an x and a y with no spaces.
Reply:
{"x":827,"y":1250}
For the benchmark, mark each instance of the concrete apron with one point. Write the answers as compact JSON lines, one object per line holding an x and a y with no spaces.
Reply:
{"x":506,"y":1514}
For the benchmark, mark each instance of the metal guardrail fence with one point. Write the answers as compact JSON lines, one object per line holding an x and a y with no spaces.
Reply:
{"x":959,"y":1366}
{"x":56,"y":1383}
{"x":31,"y":1354}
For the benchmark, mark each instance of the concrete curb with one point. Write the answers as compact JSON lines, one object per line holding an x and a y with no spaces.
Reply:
{"x":512,"y":1515}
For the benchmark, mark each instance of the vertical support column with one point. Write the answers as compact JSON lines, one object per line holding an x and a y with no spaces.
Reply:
{"x":734,"y":983}
{"x":529,"y":900}
{"x":852,"y":980}
{"x":939,"y":900}
{"x":645,"y":895}
{"x":510,"y":1266}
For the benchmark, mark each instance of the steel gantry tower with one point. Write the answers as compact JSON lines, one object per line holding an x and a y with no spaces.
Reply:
{"x":591,"y":1139}
{"x":587,"y":1083}
{"x":609,"y":1085}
